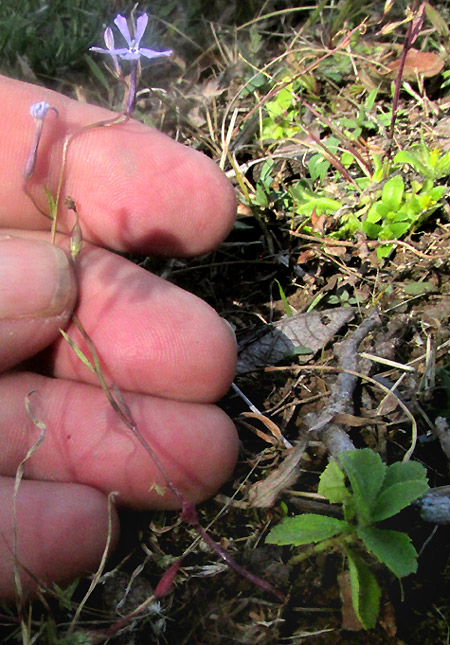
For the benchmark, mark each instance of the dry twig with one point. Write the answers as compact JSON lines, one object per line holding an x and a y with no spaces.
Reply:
{"x":331,"y":433}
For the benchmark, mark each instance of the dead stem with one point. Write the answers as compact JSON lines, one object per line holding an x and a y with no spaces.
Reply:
{"x":332,"y":434}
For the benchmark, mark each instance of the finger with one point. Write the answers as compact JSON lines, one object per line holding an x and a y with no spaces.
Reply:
{"x":86,"y":442}
{"x":37,"y":294}
{"x":134,"y":187}
{"x":62,"y":532}
{"x":151,"y":336}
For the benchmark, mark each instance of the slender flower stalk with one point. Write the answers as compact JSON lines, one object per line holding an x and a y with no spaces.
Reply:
{"x":132,"y":53}
{"x":38,"y":111}
{"x":132,"y":90}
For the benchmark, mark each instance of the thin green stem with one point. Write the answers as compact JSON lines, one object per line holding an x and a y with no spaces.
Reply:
{"x":118,"y":120}
{"x":326,"y":545}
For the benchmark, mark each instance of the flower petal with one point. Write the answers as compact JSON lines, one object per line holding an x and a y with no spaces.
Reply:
{"x":151,"y":53}
{"x":141,"y":26}
{"x":122,"y":26}
{"x":39,"y":110}
{"x":100,"y":50}
{"x":109,"y":38}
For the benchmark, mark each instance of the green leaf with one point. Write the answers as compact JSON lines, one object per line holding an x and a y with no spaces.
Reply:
{"x":347,"y":159}
{"x":398,"y":229}
{"x":332,"y":484}
{"x":382,"y":211}
{"x":83,"y":358}
{"x":301,"y":350}
{"x":392,"y":548}
{"x":371,"y":230}
{"x":400,"y":216}
{"x":438,"y":21}
{"x":392,"y":194}
{"x":403,"y":471}
{"x":285,"y":98}
{"x":370,"y":100}
{"x":51,"y":203}
{"x":307,"y":528}
{"x":412,"y":159}
{"x":309,"y":202}
{"x":404,"y":482}
{"x":318,"y":167}
{"x":287,"y":307}
{"x":397,"y":497}
{"x":365,"y":472}
{"x":266,"y":173}
{"x":419,"y":289}
{"x":260,"y":198}
{"x":383,"y":251}
{"x":437,"y":192}
{"x":365,"y":591}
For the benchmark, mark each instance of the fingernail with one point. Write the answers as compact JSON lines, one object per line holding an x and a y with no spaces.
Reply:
{"x":35,"y":279}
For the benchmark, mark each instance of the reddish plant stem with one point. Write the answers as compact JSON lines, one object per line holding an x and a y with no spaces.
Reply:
{"x":189,"y":511}
{"x":345,"y":140}
{"x":411,"y":35}
{"x":190,"y":516}
{"x":332,"y":158}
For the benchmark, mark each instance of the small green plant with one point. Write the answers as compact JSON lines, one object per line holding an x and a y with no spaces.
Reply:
{"x":400,"y":211}
{"x":343,"y":299}
{"x":409,"y":195}
{"x":282,"y":115}
{"x":430,"y":163}
{"x":399,"y":208}
{"x":369,"y":492}
{"x":308,"y":201}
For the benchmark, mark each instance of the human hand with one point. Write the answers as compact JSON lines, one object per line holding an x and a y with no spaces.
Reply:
{"x":167,"y":351}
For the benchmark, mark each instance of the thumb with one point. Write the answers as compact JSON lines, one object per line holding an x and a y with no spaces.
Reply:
{"x":37,"y":294}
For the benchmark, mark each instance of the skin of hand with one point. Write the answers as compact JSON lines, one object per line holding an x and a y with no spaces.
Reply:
{"x":168,"y":352}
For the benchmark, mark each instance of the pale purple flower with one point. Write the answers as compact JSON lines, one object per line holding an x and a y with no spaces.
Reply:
{"x":133,"y":51}
{"x":38,"y":111}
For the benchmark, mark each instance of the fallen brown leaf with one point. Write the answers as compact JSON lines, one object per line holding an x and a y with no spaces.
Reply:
{"x":417,"y":63}
{"x":310,"y":331}
{"x":350,"y":620}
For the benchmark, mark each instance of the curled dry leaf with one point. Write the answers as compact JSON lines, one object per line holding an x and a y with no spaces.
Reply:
{"x":264,"y":493}
{"x":306,"y":256}
{"x":276,"y":438}
{"x":318,"y":222}
{"x":338,"y":251}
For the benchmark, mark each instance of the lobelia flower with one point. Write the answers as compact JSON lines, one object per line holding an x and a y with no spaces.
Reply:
{"x":38,"y":111}
{"x":131,"y":53}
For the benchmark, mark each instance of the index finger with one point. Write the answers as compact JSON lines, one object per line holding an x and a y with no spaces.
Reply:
{"x":134,"y":188}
